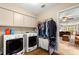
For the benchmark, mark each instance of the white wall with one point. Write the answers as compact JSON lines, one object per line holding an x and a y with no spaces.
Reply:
{"x":52,"y":12}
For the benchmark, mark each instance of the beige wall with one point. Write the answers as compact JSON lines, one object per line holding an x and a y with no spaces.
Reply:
{"x":52,"y":13}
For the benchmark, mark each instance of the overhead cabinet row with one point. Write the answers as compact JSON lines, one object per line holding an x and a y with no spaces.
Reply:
{"x":9,"y":18}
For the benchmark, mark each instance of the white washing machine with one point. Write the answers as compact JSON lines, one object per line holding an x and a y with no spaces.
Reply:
{"x":30,"y":41}
{"x":13,"y":44}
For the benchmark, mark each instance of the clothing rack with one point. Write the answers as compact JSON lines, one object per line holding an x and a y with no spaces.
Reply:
{"x":42,"y":23}
{"x":48,"y":30}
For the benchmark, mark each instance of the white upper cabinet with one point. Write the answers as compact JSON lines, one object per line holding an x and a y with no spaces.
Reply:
{"x":6,"y":17}
{"x":29,"y":21}
{"x":10,"y":18}
{"x":33,"y":22}
{"x":18,"y":19}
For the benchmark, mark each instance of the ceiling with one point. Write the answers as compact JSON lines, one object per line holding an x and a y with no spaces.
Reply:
{"x":35,"y":8}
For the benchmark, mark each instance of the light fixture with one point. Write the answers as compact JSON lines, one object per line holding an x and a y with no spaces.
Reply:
{"x":43,"y":5}
{"x":67,"y":18}
{"x":64,"y":19}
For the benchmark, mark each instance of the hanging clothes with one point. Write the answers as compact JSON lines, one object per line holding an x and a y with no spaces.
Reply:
{"x":45,"y":30}
{"x":48,"y":30}
{"x":42,"y":30}
{"x":39,"y":30}
{"x":46,"y":33}
{"x":52,"y":29}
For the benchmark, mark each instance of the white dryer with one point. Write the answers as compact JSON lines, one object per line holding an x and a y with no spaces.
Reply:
{"x":30,"y":41}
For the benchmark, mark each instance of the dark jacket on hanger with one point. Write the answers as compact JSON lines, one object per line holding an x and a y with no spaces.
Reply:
{"x":39,"y":30}
{"x":52,"y":29}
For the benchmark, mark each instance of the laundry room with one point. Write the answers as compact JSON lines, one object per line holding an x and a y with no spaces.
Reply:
{"x":39,"y":28}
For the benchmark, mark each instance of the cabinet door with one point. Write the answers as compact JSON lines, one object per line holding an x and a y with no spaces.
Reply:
{"x":33,"y":22}
{"x":18,"y":19}
{"x":46,"y":43}
{"x":29,"y":22}
{"x":6,"y":17}
{"x":40,"y":42}
{"x":26,"y":21}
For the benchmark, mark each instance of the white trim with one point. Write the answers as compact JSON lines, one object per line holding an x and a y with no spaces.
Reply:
{"x":66,"y":9}
{"x":58,"y":40}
